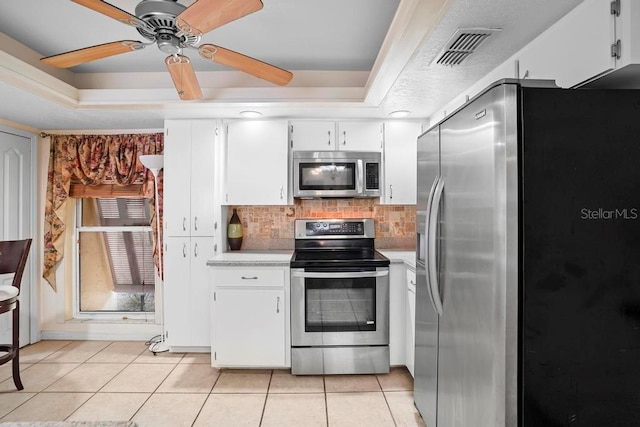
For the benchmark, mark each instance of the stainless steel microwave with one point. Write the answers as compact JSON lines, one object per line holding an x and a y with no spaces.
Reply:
{"x":336,"y":174}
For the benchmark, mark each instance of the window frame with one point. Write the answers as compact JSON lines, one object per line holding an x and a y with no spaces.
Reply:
{"x":121,"y":316}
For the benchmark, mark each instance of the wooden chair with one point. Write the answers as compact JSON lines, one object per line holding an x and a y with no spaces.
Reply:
{"x":13,"y":258}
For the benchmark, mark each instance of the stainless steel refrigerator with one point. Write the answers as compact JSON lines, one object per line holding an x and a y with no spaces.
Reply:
{"x":528,"y":260}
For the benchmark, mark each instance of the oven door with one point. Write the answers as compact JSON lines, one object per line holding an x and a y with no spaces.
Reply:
{"x":339,"y":306}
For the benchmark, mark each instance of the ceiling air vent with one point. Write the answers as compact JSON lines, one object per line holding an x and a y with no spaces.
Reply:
{"x":463,"y":43}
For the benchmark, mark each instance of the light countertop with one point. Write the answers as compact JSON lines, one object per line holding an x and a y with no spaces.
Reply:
{"x":400,"y":256}
{"x":283,"y":257}
{"x":263,"y":258}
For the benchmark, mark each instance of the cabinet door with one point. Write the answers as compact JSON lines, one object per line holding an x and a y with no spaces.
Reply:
{"x":203,"y":138}
{"x":574,"y":50}
{"x":176,"y":291}
{"x":257,"y":163}
{"x":400,"y":149}
{"x":249,"y":327}
{"x":360,"y":136}
{"x":312,"y":135}
{"x":177,"y":178}
{"x":411,"y":320}
{"x":202,"y":249}
{"x":397,"y":315}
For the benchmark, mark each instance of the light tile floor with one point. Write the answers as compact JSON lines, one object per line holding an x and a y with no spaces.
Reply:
{"x":120,"y":381}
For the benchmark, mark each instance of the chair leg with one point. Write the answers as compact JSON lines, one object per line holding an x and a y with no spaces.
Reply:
{"x":16,"y":347}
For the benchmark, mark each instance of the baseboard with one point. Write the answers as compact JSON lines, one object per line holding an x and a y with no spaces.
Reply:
{"x":95,"y":336}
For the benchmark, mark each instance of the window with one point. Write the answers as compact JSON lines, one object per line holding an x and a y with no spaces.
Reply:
{"x":114,"y":256}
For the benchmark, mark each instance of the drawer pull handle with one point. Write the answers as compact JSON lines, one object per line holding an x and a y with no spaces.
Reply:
{"x":249,"y":278}
{"x":278,"y":305}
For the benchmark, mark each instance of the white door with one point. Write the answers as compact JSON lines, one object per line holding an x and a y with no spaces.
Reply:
{"x":16,"y":220}
{"x":249,"y":328}
{"x":312,"y":135}
{"x":177,"y":177}
{"x":257,"y":163}
{"x":360,"y":136}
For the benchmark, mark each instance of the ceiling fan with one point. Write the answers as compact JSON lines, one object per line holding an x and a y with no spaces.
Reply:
{"x":175,"y":27}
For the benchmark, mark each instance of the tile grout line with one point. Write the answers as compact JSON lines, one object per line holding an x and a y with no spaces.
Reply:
{"x":208,"y":395}
{"x":157,"y":387}
{"x":266,"y":397}
{"x":37,"y":393}
{"x":384,"y":395}
{"x":326,"y":402}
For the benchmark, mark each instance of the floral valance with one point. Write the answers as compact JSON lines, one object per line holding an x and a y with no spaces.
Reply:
{"x":93,"y":160}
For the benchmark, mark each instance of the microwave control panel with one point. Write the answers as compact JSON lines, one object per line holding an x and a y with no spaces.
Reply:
{"x":372,"y":176}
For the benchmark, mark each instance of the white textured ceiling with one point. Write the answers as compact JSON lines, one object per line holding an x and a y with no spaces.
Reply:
{"x":331,"y":47}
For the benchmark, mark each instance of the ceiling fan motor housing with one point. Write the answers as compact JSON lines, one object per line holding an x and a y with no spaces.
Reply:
{"x":160,"y":15}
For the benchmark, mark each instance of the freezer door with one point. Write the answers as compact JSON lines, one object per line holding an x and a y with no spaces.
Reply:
{"x":472,"y":359}
{"x":426,"y":339}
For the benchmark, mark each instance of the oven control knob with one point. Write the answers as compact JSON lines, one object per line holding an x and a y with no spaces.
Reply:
{"x":318,"y":225}
{"x":325,"y":225}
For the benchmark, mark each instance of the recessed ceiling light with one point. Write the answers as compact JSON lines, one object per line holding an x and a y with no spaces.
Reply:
{"x":251,"y":114}
{"x":399,"y":113}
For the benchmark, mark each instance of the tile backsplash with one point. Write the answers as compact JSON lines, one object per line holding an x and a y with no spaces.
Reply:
{"x":271,"y":227}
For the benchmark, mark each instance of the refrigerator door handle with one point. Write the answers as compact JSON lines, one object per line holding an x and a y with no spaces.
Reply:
{"x":432,"y":255}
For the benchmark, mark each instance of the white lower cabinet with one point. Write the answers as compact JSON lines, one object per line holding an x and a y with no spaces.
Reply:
{"x":249,"y":327}
{"x":411,"y":320}
{"x":397,"y":321}
{"x":187,"y":291}
{"x":250,"y":307}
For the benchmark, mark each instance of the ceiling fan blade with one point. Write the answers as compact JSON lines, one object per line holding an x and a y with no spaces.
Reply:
{"x":205,"y":15}
{"x":111,"y":11}
{"x":183,"y":76}
{"x":245,"y":63}
{"x":88,"y":54}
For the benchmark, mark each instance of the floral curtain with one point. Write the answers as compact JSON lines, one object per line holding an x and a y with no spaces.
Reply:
{"x":94,"y":160}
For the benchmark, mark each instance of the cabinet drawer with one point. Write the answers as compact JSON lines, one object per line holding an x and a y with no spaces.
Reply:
{"x":249,"y":277}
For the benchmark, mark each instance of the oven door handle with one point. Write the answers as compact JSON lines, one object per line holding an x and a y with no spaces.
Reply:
{"x":345,"y":275}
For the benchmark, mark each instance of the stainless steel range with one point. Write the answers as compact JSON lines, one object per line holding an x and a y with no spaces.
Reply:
{"x":339,"y":299}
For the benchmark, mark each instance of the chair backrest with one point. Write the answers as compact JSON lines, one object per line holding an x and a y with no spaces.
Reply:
{"x":13,"y":258}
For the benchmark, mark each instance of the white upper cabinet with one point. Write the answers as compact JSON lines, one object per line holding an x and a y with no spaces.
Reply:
{"x":311,"y":135}
{"x":256,"y":163}
{"x":360,"y":136}
{"x":189,"y":177}
{"x":400,"y":145}
{"x":576,"y":49}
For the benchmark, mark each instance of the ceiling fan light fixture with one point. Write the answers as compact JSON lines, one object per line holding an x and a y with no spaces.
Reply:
{"x":250,"y":114}
{"x":399,"y":114}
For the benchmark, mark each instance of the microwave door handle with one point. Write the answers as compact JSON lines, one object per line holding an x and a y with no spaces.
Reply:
{"x":359,"y":176}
